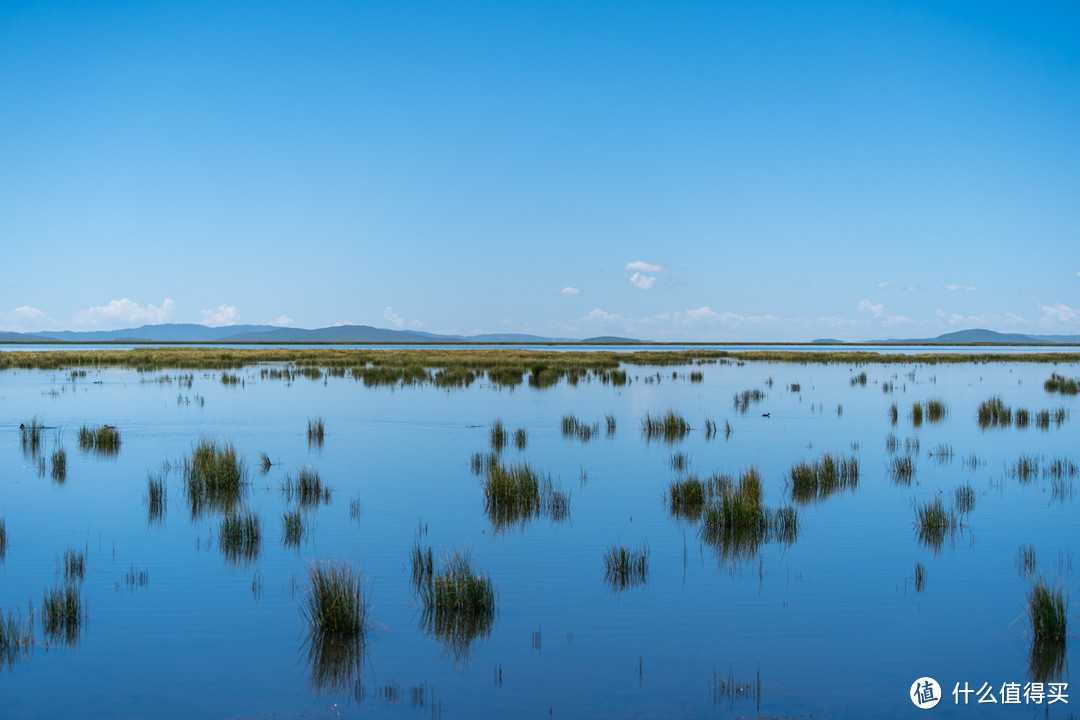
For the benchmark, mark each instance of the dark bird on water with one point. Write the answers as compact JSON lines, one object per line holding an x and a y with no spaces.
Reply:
{"x":765,"y":414}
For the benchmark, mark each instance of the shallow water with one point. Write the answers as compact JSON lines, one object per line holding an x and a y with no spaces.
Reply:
{"x":830,"y":625}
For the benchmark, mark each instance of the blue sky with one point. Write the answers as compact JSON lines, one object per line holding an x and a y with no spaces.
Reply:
{"x":665,"y":170}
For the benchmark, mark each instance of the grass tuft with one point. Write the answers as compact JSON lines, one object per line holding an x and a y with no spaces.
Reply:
{"x":307,"y":488}
{"x":239,"y":536}
{"x":1048,"y":611}
{"x":498,"y":436}
{"x":61,"y":614}
{"x":104,"y":439}
{"x":214,"y":477}
{"x":335,"y":602}
{"x":316,"y":431}
{"x":625,"y":568}
{"x":902,"y":470}
{"x":72,"y":564}
{"x":156,"y":497}
{"x":1065,"y":386}
{"x":292,"y":529}
{"x":514,"y":494}
{"x":821,"y":478}
{"x":994,"y":413}
{"x":670,"y":426}
{"x":458,"y":604}
{"x":934,"y":522}
{"x":59,"y":465}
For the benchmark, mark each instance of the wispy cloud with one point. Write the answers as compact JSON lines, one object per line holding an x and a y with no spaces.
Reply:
{"x":395,"y":319}
{"x":884,"y":284}
{"x":880,"y":317}
{"x":1059,"y":313}
{"x":284,"y":321}
{"x":965,"y":288}
{"x":570,"y":291}
{"x":221,"y":316}
{"x":645,"y":282}
{"x":25,"y":319}
{"x":642,"y":266}
{"x":125,"y":311}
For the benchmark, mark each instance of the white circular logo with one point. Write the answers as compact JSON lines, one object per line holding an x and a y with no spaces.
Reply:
{"x":925,"y":693}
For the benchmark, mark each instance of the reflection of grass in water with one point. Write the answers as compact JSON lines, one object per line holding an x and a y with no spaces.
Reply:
{"x":670,"y":426}
{"x":514,"y":494}
{"x":104,"y":440}
{"x":292,"y":529}
{"x":737,"y":522}
{"x":1026,"y":560}
{"x":821,"y":478}
{"x":743,"y":400}
{"x":994,"y":413}
{"x":16,"y":639}
{"x":316,"y":430}
{"x":31,"y":434}
{"x":72,"y":564}
{"x":934,"y":523}
{"x":902,"y":470}
{"x":239,"y":537}
{"x":1048,"y":611}
{"x":307,"y":488}
{"x":335,"y":662}
{"x":679,"y":461}
{"x":1047,"y":661}
{"x":423,"y":565}
{"x":609,"y":420}
{"x":59,"y":465}
{"x":919,"y":577}
{"x":61,"y":614}
{"x":156,"y":496}
{"x":1026,"y":468}
{"x":458,"y":605}
{"x":499,"y":436}
{"x":214,"y":477}
{"x":625,"y":568}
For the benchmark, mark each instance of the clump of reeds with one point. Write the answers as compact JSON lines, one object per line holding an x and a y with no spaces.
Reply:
{"x":156,"y":496}
{"x":795,"y":387}
{"x":423,"y":565}
{"x":59,"y":465}
{"x":679,"y":461}
{"x":521,"y":438}
{"x":239,"y":536}
{"x":356,"y":509}
{"x":934,"y":522}
{"x":942,"y":453}
{"x":993,"y":413}
{"x":264,"y":463}
{"x":670,"y":426}
{"x":894,"y":413}
{"x":316,"y":430}
{"x":916,"y":414}
{"x":737,"y":521}
{"x":16,"y":638}
{"x":481,"y":461}
{"x":513,"y":494}
{"x":335,"y":602}
{"x":31,"y":434}
{"x":919,"y":577}
{"x":72,"y":564}
{"x":498,"y":436}
{"x":214,"y":476}
{"x":859,"y":379}
{"x":1023,"y":417}
{"x":1042,"y":419}
{"x":3,"y":538}
{"x":609,"y":421}
{"x":61,"y":614}
{"x":743,"y":400}
{"x":687,"y":497}
{"x":1026,"y":468}
{"x":902,"y":469}
{"x":1065,"y":386}
{"x":964,"y":499}
{"x":292,"y":529}
{"x":458,"y":604}
{"x":570,"y":424}
{"x":821,"y":478}
{"x":1026,"y":560}
{"x":104,"y":439}
{"x":1048,"y":611}
{"x":935,"y":410}
{"x":307,"y":487}
{"x":625,"y":568}
{"x":230,"y":379}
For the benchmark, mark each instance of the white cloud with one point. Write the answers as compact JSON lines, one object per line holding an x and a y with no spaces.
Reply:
{"x":645,"y":282}
{"x":393,"y":317}
{"x":875,"y":310}
{"x":884,"y":284}
{"x":1059,"y":313}
{"x":25,"y":319}
{"x":223,"y":315}
{"x":125,"y":311}
{"x":284,"y":321}
{"x":1078,"y":273}
{"x":642,"y":266}
{"x":912,"y":288}
{"x":598,"y":315}
{"x":881,"y":318}
{"x":343,"y":323}
{"x":965,"y":288}
{"x":702,"y":313}
{"x":570,"y":291}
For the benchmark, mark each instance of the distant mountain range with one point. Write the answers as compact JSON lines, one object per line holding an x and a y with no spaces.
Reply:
{"x":977,"y":336}
{"x":190,"y":333}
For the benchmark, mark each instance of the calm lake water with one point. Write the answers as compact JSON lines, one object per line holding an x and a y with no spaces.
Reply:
{"x":831,"y":624}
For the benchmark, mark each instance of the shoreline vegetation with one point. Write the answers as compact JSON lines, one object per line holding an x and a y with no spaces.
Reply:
{"x":504,"y":365}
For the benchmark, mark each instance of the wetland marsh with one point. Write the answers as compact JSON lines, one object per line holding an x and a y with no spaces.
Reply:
{"x":512,"y":533}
